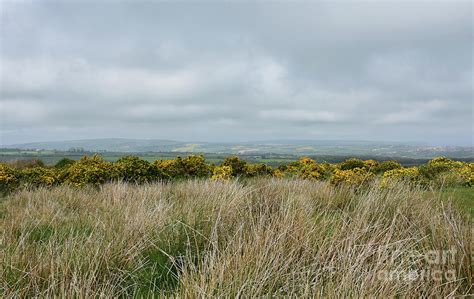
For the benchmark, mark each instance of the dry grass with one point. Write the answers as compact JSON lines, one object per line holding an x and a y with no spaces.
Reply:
{"x":203,"y":238}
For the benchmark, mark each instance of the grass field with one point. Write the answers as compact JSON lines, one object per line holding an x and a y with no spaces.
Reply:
{"x":263,"y":237}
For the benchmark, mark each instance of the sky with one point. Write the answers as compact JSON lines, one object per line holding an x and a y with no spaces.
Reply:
{"x":237,"y":71}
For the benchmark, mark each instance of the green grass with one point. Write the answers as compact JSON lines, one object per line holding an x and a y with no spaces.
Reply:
{"x":463,"y":197}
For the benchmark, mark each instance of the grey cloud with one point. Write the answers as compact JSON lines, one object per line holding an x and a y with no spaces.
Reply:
{"x":236,"y":71}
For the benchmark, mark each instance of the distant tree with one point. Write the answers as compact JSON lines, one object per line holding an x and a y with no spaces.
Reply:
{"x":76,"y":150}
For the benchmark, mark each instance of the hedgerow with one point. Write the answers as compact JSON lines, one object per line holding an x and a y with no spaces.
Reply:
{"x":355,"y":176}
{"x":64,"y":163}
{"x":385,"y":166}
{"x":39,"y":177}
{"x":90,"y":171}
{"x":221,"y":173}
{"x":237,"y":165}
{"x":135,"y":170}
{"x":184,"y":168}
{"x":9,"y":178}
{"x":95,"y":171}
{"x":411,"y":174}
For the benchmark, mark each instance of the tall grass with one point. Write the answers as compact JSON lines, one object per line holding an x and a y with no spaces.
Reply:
{"x":257,"y":238}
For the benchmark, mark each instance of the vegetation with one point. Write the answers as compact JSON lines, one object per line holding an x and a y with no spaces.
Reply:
{"x":96,"y":171}
{"x":260,"y":237}
{"x":279,"y":147}
{"x":269,"y":156}
{"x":188,"y":228}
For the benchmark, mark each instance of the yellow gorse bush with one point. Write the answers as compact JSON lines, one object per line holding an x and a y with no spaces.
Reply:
{"x":370,"y":165}
{"x":306,"y":168}
{"x":278,"y":173}
{"x":222,"y":173}
{"x":467,"y":174}
{"x":188,"y":167}
{"x":90,"y":171}
{"x":135,"y":170}
{"x":9,"y":178}
{"x":40,"y":177}
{"x":411,"y":174}
{"x":445,"y":163}
{"x":355,"y":177}
{"x":459,"y":175}
{"x":96,"y":171}
{"x":254,"y":170}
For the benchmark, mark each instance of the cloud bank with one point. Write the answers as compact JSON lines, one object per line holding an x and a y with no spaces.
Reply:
{"x":237,"y":71}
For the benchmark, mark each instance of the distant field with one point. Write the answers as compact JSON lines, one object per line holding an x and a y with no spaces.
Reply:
{"x":321,"y":148}
{"x":50,"y":157}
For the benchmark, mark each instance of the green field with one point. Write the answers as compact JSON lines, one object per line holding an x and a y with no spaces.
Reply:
{"x":50,"y":157}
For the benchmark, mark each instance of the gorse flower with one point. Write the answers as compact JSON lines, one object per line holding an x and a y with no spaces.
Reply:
{"x":90,"y":171}
{"x":411,"y":174}
{"x":9,"y":178}
{"x":39,"y":177}
{"x":222,"y":173}
{"x":356,"y":176}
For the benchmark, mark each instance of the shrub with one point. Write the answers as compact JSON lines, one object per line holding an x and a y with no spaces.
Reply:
{"x":64,"y":163}
{"x":467,"y":174}
{"x":237,"y":165}
{"x":444,"y":164}
{"x":39,"y":177}
{"x":222,"y":173}
{"x":168,"y":167}
{"x":308,"y":169}
{"x":135,"y":170}
{"x":411,"y":174}
{"x":253,"y":170}
{"x":327,"y":170}
{"x":386,"y":166}
{"x":289,"y":170}
{"x":352,"y":164}
{"x":191,"y":166}
{"x":455,"y":176}
{"x":278,"y":173}
{"x":90,"y":171}
{"x":95,"y":171}
{"x":370,"y":165}
{"x":9,"y":178}
{"x":355,"y":177}
{"x":437,"y":166}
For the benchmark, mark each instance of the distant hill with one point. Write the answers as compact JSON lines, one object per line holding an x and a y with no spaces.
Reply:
{"x":293,"y":147}
{"x":108,"y":144}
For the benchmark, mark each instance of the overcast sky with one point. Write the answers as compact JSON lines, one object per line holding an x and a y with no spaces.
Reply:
{"x":211,"y":71}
